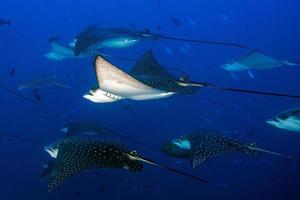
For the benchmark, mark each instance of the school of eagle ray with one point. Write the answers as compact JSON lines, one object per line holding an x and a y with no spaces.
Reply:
{"x":84,"y":145}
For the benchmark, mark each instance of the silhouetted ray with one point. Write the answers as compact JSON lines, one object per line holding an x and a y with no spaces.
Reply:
{"x":18,"y":94}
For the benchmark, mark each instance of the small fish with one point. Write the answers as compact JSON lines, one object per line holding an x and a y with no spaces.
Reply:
{"x":183,"y":50}
{"x":226,"y":18}
{"x":234,"y":76}
{"x":168,"y":50}
{"x":103,"y":188}
{"x":207,"y":120}
{"x":251,"y":132}
{"x":219,"y":112}
{"x":288,"y":120}
{"x":127,"y":106}
{"x":36,"y":95}
{"x":176,"y":21}
{"x":77,"y":195}
{"x":158,"y":3}
{"x":12,"y":72}
{"x":5,"y":22}
{"x":206,"y":145}
{"x":251,"y":75}
{"x":186,"y":46}
{"x":193,"y":22}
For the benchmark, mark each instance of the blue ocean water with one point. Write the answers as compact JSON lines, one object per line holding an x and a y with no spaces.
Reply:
{"x":272,"y":26}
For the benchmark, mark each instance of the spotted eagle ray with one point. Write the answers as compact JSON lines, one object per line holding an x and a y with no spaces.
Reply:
{"x":49,"y":165}
{"x":288,"y":120}
{"x":205,"y":145}
{"x":74,"y":155}
{"x":256,"y":60}
{"x":147,"y":80}
{"x":94,"y":37}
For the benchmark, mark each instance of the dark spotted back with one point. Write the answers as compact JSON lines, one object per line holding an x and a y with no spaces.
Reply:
{"x":76,"y":155}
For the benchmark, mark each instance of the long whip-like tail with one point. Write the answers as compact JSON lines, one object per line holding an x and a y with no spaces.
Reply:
{"x":209,"y":42}
{"x":134,"y":156}
{"x":18,"y":94}
{"x":272,"y":152}
{"x":209,"y":85}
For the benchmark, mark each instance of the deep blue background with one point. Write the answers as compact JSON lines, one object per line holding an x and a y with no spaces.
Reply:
{"x":270,"y":25}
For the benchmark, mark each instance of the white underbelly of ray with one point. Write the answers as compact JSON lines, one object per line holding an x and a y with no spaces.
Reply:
{"x":101,"y":96}
{"x":131,"y":90}
{"x":114,"y":81}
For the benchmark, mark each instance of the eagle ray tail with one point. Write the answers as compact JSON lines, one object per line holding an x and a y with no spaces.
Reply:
{"x":273,"y":153}
{"x":222,"y":43}
{"x":151,"y":162}
{"x":209,"y":85}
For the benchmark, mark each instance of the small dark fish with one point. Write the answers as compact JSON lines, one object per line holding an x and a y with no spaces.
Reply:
{"x":103,"y":188}
{"x":251,"y":132}
{"x":176,"y":21}
{"x":77,"y":195}
{"x":12,"y":72}
{"x":37,"y":96}
{"x":127,"y":107}
{"x":158,"y":3}
{"x":5,"y":22}
{"x":83,"y":82}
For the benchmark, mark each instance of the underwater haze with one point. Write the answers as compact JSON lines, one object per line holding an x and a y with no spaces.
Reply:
{"x":43,"y":88}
